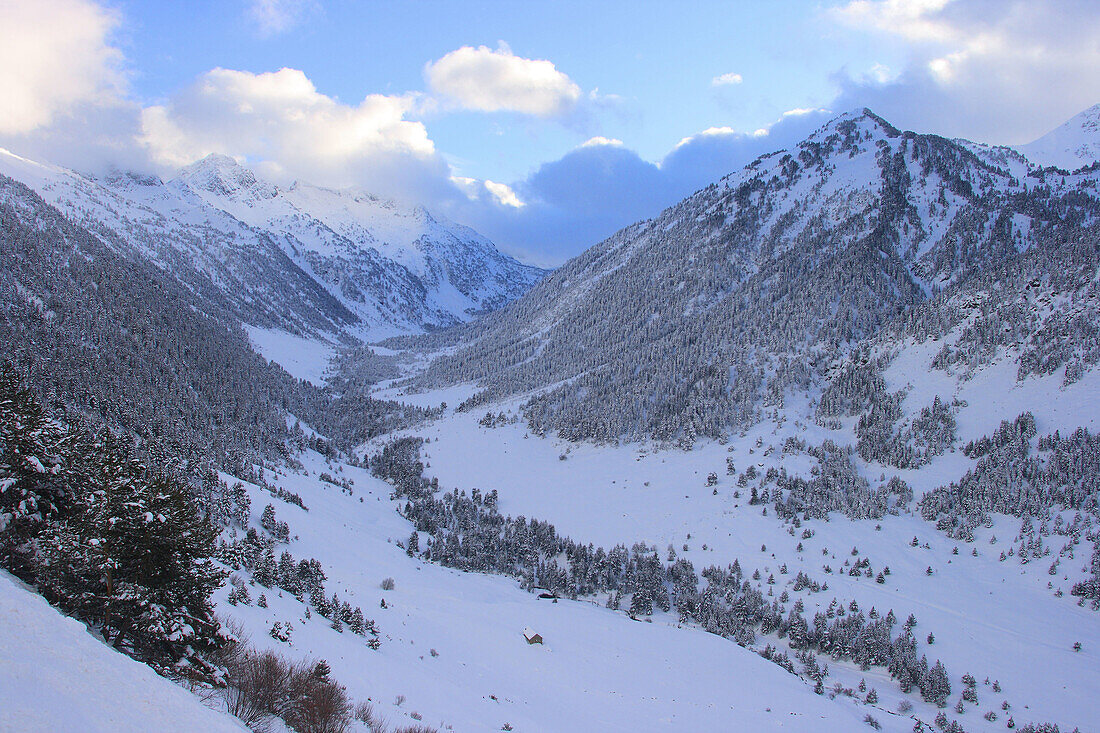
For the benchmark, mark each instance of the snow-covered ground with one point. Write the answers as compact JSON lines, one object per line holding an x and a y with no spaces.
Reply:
{"x":304,"y":358}
{"x":56,"y":677}
{"x":991,"y":618}
{"x":597,"y":670}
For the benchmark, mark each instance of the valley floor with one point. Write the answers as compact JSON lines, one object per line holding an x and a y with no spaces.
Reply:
{"x":597,"y":671}
{"x":994,"y":619}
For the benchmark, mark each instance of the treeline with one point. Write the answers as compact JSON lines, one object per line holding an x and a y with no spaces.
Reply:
{"x":835,"y":486}
{"x":1010,"y":478}
{"x":1062,"y":473}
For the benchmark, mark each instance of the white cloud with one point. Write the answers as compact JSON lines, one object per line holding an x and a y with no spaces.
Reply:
{"x":273,"y":17}
{"x":601,"y":140}
{"x":726,"y":79}
{"x":911,"y":19}
{"x":500,"y":194}
{"x":469,"y":186}
{"x":1000,"y":71}
{"x":280,"y":120}
{"x":54,"y":58}
{"x":803,"y":111}
{"x":504,"y":194}
{"x":880,"y":74}
{"x":497,"y":80}
{"x":709,"y":132}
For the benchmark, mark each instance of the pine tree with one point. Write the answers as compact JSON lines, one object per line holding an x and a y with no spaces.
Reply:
{"x":935,"y":686}
{"x":318,"y":600}
{"x":641,"y":603}
{"x":135,"y":559}
{"x":32,"y":474}
{"x":357,"y":623}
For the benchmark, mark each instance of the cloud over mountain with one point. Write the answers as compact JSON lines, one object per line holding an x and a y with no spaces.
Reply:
{"x":491,"y":80}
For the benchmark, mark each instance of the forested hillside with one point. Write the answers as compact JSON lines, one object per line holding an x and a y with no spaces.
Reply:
{"x":117,"y":339}
{"x":699,"y":321}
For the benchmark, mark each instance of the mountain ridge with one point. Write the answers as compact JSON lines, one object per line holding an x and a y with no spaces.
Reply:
{"x":1071,"y":145}
{"x":360,"y":269}
{"x":753,"y":283}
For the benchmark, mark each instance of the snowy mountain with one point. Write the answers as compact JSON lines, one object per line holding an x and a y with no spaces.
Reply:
{"x":307,"y":260}
{"x":699,"y":321}
{"x":390,"y":264}
{"x":814,"y":449}
{"x":1071,"y":145}
{"x":855,"y":381}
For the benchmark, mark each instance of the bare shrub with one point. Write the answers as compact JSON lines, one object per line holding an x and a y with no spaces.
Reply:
{"x":319,"y":705}
{"x":261,"y":686}
{"x":387,"y":584}
{"x":258,"y":687}
{"x":366,"y":714}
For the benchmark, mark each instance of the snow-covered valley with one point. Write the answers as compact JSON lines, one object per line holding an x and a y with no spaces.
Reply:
{"x":981,"y":609}
{"x":814,"y":449}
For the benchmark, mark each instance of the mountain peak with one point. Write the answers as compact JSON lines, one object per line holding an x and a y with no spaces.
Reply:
{"x":219,"y":174}
{"x":865,"y":118}
{"x":1071,"y":145}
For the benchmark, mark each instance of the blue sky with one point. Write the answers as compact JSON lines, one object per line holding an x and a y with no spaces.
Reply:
{"x":546,"y":125}
{"x":655,"y":61}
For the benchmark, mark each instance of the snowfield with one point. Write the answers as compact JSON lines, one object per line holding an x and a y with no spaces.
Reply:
{"x":55,"y":677}
{"x":990,"y":618}
{"x":597,"y":671}
{"x":304,"y":358}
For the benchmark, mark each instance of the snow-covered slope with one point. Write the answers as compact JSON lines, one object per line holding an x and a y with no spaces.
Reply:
{"x":696,"y":321}
{"x":990,"y":617}
{"x":453,"y":655}
{"x":1071,"y":145}
{"x":1000,"y":619}
{"x":54,"y":676}
{"x":375,"y":254}
{"x":214,"y":255}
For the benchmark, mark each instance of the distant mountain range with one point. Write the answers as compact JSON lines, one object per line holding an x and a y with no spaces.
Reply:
{"x":303,"y":259}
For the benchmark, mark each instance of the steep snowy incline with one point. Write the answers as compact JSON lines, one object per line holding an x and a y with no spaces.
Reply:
{"x":1071,"y":145}
{"x":56,"y":677}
